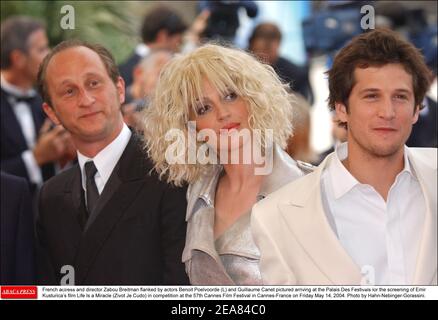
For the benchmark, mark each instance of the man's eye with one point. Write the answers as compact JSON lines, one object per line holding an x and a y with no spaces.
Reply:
{"x":401,"y":97}
{"x":69,"y":92}
{"x":371,"y":96}
{"x":94,"y":83}
{"x":203,"y":109}
{"x":231,"y":96}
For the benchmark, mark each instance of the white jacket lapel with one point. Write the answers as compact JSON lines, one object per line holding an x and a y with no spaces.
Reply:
{"x":305,"y":216}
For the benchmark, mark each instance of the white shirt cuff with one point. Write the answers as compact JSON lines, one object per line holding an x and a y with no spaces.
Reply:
{"x":33,"y":170}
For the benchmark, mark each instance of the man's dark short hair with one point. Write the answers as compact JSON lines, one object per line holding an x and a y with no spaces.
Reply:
{"x":15,"y":33}
{"x":266,"y":31}
{"x":161,"y":18}
{"x":374,"y":49}
{"x":105,"y":56}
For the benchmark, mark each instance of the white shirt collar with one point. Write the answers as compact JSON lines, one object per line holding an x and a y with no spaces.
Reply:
{"x":14,"y":90}
{"x":425,"y":111}
{"x":142,"y":50}
{"x":107,"y":158}
{"x":343,"y":181}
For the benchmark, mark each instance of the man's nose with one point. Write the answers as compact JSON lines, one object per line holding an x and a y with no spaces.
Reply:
{"x":386,"y":109}
{"x":87,"y":99}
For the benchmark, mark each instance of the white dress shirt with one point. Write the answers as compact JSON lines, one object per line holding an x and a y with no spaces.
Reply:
{"x":142,"y":50}
{"x":380,"y":236}
{"x":23,"y":113}
{"x":106,"y":159}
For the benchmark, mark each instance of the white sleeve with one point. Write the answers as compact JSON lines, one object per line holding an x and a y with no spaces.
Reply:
{"x":33,"y":170}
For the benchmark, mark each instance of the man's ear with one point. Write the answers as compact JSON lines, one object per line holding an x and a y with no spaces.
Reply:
{"x":17,"y":58}
{"x":341,"y":112}
{"x":120,"y":86}
{"x":416,"y":114}
{"x":51,"y":113}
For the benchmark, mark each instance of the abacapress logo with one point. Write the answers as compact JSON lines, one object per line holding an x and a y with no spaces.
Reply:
{"x":19,"y":292}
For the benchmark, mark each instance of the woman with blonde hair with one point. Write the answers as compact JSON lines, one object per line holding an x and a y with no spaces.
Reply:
{"x":218,"y":121}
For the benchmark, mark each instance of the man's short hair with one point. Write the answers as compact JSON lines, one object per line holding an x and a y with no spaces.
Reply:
{"x":376,"y":48}
{"x":266,"y":31}
{"x":15,"y":33}
{"x":105,"y":56}
{"x":161,"y":18}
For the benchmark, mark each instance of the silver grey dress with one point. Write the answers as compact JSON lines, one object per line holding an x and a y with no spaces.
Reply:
{"x":233,"y":258}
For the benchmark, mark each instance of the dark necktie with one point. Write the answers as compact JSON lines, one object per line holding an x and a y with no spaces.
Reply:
{"x":90,"y":185}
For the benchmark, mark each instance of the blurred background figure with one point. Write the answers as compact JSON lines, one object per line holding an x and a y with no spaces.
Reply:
{"x":162,"y":28}
{"x":424,"y":132}
{"x":145,"y":77}
{"x":17,"y":232}
{"x":224,"y":19}
{"x":298,"y":145}
{"x":29,"y":145}
{"x":265,"y":42}
{"x":339,"y":134}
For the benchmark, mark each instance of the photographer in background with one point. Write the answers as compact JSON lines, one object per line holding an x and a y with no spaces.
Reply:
{"x":224,"y":19}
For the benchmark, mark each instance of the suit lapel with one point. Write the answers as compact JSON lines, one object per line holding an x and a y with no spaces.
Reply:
{"x":305,"y":217}
{"x":426,"y":268}
{"x":74,"y":197}
{"x":9,"y":120}
{"x":70,"y":210}
{"x":130,"y":178}
{"x":38,"y":115}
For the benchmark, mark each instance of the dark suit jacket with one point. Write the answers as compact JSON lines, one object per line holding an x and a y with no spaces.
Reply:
{"x":17,"y":232}
{"x":134,"y":236}
{"x":127,"y":68}
{"x":424,"y":132}
{"x":296,"y":76}
{"x":13,"y":143}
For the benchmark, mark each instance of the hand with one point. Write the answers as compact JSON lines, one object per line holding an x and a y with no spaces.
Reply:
{"x":51,"y":144}
{"x":200,"y":22}
{"x":70,"y":151}
{"x":198,"y":26}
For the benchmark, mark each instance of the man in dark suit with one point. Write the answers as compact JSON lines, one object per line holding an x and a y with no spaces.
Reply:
{"x":162,"y":29}
{"x":17,"y":232}
{"x":107,"y":219}
{"x":28,"y":148}
{"x":424,"y":133}
{"x":265,"y":42}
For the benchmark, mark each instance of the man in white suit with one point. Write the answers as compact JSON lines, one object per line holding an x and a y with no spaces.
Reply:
{"x":368,"y":213}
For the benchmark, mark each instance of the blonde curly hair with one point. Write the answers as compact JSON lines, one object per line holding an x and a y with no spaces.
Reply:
{"x":180,"y":84}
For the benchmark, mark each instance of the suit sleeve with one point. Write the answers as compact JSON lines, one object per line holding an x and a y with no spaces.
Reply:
{"x":173,"y":226}
{"x":15,"y":166}
{"x":45,"y":270}
{"x":273,"y":268}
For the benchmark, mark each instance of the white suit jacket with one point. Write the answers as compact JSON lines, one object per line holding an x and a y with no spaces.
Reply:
{"x":299,"y":247}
